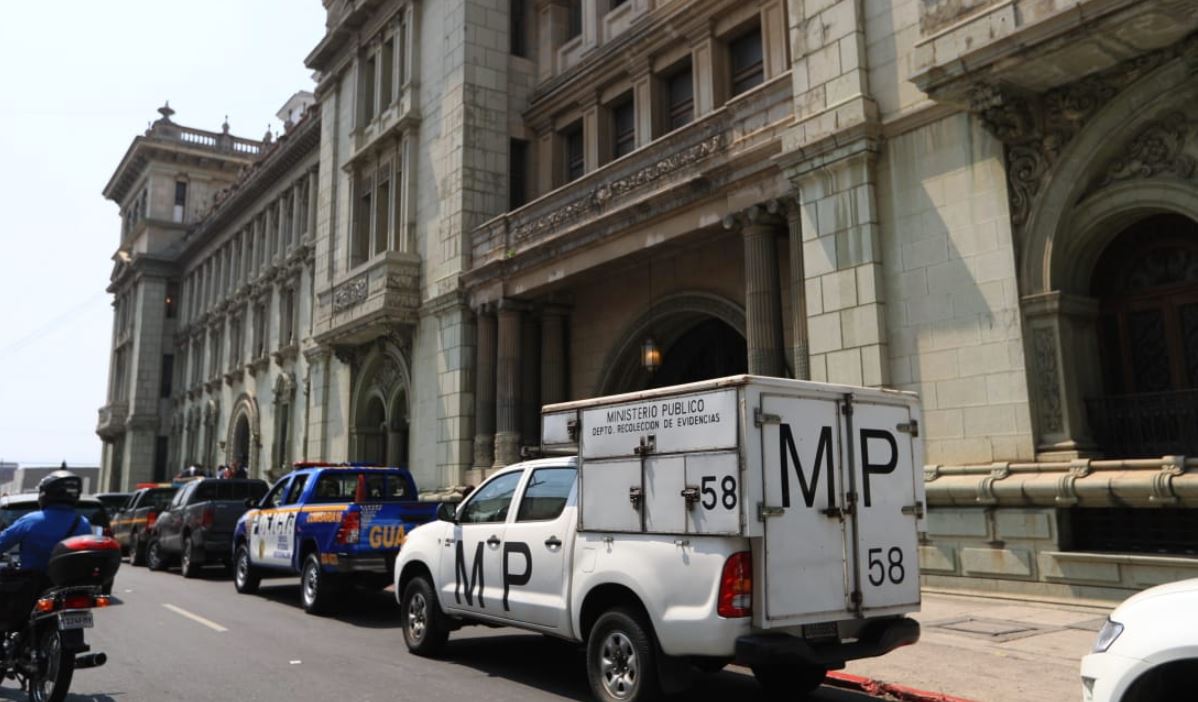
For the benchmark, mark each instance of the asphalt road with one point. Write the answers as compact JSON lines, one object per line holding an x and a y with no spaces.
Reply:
{"x":196,"y":640}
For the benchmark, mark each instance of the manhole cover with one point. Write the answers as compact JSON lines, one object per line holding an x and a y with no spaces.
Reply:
{"x":991,"y":629}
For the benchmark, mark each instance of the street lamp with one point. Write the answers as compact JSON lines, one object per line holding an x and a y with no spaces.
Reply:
{"x":650,"y":355}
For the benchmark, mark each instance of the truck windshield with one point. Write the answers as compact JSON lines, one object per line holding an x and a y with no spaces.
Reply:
{"x":377,"y":487}
{"x":158,"y":499}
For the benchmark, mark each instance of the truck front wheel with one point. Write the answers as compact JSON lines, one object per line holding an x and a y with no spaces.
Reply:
{"x":620,"y":658}
{"x":318,"y":589}
{"x":788,"y":681}
{"x":245,"y":578}
{"x":425,"y":629}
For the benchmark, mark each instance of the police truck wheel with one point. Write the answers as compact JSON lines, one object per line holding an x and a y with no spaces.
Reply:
{"x":620,"y":658}
{"x":187,"y":564}
{"x":245,"y":578}
{"x":425,"y":629}
{"x":788,"y":681}
{"x":318,"y":589}
{"x":155,"y":560}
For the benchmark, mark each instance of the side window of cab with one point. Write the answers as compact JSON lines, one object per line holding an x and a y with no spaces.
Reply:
{"x":491,"y":502}
{"x":274,"y":498}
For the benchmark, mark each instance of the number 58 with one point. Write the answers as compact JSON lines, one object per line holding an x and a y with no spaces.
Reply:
{"x":891,"y":569}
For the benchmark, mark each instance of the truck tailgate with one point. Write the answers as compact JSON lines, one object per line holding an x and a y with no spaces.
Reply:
{"x":841,"y":504}
{"x":385,"y":524}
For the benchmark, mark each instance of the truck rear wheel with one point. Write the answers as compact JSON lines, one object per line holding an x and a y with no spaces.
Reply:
{"x":245,"y":578}
{"x":425,"y":629}
{"x":187,"y":563}
{"x":155,"y":558}
{"x":620,"y":658}
{"x":787,"y":681}
{"x":318,"y":589}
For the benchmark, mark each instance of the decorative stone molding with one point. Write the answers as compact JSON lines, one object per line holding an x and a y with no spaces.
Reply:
{"x":1157,"y":150}
{"x":1037,"y":128}
{"x":1048,"y":381}
{"x":286,"y":353}
{"x":350,"y":293}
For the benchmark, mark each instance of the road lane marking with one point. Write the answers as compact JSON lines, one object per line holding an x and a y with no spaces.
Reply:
{"x":195,"y":618}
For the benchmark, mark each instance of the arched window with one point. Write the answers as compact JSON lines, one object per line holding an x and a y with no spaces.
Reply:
{"x":1147,"y":286}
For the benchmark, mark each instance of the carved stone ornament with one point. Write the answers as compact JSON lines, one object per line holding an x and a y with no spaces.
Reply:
{"x":1037,"y":128}
{"x":618,"y":188}
{"x":1157,"y":150}
{"x":1044,"y":354}
{"x":350,"y":293}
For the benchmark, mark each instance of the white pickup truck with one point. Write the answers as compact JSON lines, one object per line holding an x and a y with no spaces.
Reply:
{"x":762,"y":521}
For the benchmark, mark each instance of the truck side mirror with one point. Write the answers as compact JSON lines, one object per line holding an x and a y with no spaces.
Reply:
{"x":447,"y":512}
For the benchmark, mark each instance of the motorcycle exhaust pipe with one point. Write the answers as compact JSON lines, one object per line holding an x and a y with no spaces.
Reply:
{"x":91,"y":660}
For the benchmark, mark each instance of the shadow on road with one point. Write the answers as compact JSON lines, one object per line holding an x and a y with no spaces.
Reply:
{"x":8,"y":692}
{"x":360,"y":607}
{"x":559,"y":668}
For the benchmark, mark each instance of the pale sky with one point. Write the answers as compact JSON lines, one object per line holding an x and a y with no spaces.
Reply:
{"x":82,"y":78}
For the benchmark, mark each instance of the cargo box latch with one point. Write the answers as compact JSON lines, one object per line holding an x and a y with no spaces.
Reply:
{"x":760,"y":418}
{"x":911,"y":427}
{"x":764,"y":511}
{"x":647,"y":446}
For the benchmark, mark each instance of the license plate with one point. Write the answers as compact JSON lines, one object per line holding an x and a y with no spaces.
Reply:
{"x":74,"y":620}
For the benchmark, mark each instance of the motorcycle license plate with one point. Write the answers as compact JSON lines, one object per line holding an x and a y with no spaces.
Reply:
{"x":74,"y":620}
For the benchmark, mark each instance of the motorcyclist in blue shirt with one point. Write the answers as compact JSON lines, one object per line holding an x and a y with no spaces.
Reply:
{"x":38,"y":532}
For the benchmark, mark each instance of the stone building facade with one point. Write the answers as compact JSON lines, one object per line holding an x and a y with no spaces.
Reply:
{"x":989,"y":202}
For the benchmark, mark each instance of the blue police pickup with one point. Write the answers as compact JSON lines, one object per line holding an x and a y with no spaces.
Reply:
{"x":334,"y":525}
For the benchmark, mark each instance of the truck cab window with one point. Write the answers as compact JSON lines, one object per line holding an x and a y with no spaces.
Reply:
{"x":297,"y":488}
{"x":275,"y":497}
{"x":546,"y":494}
{"x":490,"y":503}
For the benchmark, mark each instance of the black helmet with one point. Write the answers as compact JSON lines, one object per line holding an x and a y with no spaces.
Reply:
{"x":62,"y":487}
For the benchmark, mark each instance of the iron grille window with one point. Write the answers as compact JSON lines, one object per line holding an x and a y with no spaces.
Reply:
{"x":680,"y":89}
{"x":747,"y":63}
{"x":1134,"y":530}
{"x":575,"y":158}
{"x":623,"y":128}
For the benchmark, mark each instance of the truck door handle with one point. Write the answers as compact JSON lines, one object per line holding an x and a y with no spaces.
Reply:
{"x":493,"y":542}
{"x":553,"y":542}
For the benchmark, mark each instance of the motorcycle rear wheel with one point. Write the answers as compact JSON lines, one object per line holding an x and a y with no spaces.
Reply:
{"x":55,"y":670}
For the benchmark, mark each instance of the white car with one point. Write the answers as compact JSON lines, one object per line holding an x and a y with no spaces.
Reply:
{"x":1148,"y":649}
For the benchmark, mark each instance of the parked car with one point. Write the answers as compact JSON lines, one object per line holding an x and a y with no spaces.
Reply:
{"x":140,"y":514}
{"x":333,"y":525}
{"x":13,"y":507}
{"x":1148,"y":649}
{"x":196,"y":528}
{"x":694,"y":527}
{"x":113,"y":501}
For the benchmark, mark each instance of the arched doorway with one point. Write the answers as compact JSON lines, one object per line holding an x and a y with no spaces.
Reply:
{"x":241,"y":441}
{"x":709,"y":349}
{"x":701,"y":336}
{"x":371,"y":429}
{"x":380,"y":408}
{"x":1146,"y":282}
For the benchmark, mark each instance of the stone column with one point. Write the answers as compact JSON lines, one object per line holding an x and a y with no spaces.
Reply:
{"x":484,"y":393}
{"x":1063,"y":369}
{"x":798,"y":295}
{"x":763,"y":300}
{"x":507,"y":386}
{"x":530,"y":381}
{"x":553,"y":355}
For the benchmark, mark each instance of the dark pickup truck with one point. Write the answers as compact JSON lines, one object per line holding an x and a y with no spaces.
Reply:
{"x":131,"y":524}
{"x":197,"y":527}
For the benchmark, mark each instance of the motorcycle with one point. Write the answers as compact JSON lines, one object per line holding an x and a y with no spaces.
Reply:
{"x":43,"y":645}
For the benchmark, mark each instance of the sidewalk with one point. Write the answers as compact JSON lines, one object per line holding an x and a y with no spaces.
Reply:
{"x":992,"y":649}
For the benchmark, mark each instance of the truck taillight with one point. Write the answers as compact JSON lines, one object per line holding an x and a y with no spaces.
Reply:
{"x":736,"y":586}
{"x":351,"y":524}
{"x":151,"y":519}
{"x":208,"y":516}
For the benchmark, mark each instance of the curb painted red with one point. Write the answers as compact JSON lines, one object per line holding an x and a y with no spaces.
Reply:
{"x":901,"y":693}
